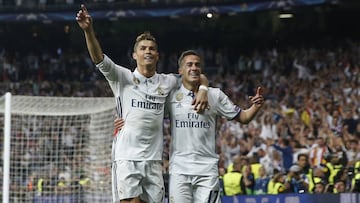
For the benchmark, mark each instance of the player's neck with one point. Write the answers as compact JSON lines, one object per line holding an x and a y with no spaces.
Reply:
{"x":146,"y":71}
{"x":191,"y":86}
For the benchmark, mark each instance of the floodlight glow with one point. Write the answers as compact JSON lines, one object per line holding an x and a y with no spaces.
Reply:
{"x":286,"y":15}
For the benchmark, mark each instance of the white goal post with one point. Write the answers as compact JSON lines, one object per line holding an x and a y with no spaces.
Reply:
{"x":56,"y":149}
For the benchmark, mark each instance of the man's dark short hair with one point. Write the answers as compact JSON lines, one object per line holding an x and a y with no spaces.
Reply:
{"x":187,"y":53}
{"x":144,"y":36}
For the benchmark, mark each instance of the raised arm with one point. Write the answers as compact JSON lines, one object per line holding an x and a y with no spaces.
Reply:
{"x":247,"y":115}
{"x":86,"y":24}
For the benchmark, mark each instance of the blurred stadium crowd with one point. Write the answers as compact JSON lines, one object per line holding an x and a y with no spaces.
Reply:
{"x":306,"y":137}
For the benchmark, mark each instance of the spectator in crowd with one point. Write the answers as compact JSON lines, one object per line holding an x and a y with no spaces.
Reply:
{"x":355,"y":181}
{"x":334,"y":165}
{"x":320,"y":186}
{"x":248,"y":177}
{"x":349,"y":121}
{"x":319,"y":174}
{"x":286,"y":151}
{"x":296,"y":183}
{"x":261,"y":182}
{"x":233,"y":181}
{"x":305,"y":170}
{"x":351,"y":150}
{"x":340,"y":186}
{"x":236,"y":159}
{"x":317,"y":154}
{"x":265,"y":159}
{"x":278,"y":184}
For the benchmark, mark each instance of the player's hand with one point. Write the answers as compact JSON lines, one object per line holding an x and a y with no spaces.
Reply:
{"x":83,"y":18}
{"x":258,"y":99}
{"x":201,"y":102}
{"x":119,"y":123}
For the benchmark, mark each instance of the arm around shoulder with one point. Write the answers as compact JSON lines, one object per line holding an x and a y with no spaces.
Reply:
{"x":201,"y":101}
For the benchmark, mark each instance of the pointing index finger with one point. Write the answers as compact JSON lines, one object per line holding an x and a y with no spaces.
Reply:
{"x":258,"y":91}
{"x":83,"y":7}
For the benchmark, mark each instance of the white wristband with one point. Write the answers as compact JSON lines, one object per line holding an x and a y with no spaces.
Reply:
{"x":203,"y":87}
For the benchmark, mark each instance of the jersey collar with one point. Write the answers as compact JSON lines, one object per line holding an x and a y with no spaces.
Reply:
{"x":186,"y":91}
{"x":144,"y":79}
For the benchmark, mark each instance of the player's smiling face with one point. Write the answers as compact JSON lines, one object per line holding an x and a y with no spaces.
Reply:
{"x":146,"y":54}
{"x":191,"y":68}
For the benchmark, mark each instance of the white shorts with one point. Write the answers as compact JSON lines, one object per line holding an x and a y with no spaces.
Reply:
{"x":194,"y":189}
{"x":142,"y":179}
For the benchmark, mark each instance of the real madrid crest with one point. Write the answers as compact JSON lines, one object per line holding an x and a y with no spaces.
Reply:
{"x":179,"y":96}
{"x":160,"y":91}
{"x":172,"y":200}
{"x":136,"y":80}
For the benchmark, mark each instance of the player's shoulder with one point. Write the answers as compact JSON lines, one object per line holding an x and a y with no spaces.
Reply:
{"x":214,"y":91}
{"x":172,"y":80}
{"x":169,"y":75}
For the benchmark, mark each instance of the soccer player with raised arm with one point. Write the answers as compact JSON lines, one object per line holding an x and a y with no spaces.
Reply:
{"x":194,"y":176}
{"x":140,"y":96}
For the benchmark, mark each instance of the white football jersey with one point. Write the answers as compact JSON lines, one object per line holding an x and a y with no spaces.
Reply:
{"x":192,"y":150}
{"x":141,"y":101}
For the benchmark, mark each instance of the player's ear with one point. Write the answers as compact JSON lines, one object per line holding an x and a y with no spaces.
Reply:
{"x":134,"y":55}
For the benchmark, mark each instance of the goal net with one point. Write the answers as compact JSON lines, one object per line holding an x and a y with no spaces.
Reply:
{"x":60,"y":149}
